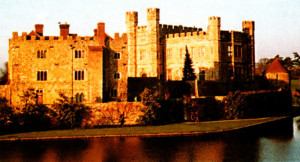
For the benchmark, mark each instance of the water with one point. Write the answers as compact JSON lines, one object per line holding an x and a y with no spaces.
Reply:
{"x":240,"y":146}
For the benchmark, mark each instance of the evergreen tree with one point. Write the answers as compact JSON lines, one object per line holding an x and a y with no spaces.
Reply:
{"x":188,"y":70}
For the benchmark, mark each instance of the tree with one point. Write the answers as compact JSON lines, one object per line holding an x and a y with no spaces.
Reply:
{"x":188,"y":70}
{"x":261,"y":66}
{"x":4,"y":74}
{"x":151,"y":108}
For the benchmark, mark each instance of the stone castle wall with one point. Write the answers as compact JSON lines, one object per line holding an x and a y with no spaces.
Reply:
{"x":157,"y":50}
{"x":116,"y":61}
{"x":153,"y":50}
{"x":24,"y":65}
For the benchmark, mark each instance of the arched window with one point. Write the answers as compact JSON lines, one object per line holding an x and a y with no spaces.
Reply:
{"x":77,"y":98}
{"x":38,"y":54}
{"x":81,"y":97}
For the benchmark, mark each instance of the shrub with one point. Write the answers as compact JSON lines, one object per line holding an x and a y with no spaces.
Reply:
{"x":36,"y":117}
{"x":6,"y":113}
{"x":70,"y":115}
{"x":204,"y":109}
{"x":235,"y":106}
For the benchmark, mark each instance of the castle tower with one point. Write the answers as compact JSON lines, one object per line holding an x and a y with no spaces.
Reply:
{"x":64,"y":30}
{"x":153,"y":41}
{"x":248,"y":28}
{"x":214,"y":37}
{"x":131,"y":24}
{"x":213,"y":28}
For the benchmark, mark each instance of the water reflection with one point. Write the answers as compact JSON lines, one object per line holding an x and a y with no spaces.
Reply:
{"x":241,"y":146}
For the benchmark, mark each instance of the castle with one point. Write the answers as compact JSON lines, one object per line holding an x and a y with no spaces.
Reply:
{"x":96,"y":68}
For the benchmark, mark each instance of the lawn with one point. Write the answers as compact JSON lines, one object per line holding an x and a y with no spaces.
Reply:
{"x":164,"y":130}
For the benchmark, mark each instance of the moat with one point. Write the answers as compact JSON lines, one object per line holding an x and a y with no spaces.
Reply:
{"x":273,"y":145}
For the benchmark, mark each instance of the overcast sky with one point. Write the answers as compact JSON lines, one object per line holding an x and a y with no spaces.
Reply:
{"x":277,"y":22}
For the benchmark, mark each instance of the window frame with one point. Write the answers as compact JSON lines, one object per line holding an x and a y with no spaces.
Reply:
{"x":42,"y":75}
{"x":79,"y":75}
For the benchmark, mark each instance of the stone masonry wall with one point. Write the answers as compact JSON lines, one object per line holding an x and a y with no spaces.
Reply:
{"x":24,"y":65}
{"x":117,"y":63}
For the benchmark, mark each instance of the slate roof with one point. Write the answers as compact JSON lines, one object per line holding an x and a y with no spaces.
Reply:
{"x":276,"y":67}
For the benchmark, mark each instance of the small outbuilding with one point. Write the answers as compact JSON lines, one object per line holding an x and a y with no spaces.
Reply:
{"x":278,"y":75}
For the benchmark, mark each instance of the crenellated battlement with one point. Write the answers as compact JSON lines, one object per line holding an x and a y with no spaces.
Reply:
{"x":214,"y":18}
{"x":170,"y":29}
{"x":153,"y":10}
{"x":132,"y":16}
{"x":142,"y":27}
{"x":200,"y":34}
{"x":247,"y":22}
{"x":153,"y":14}
{"x":117,"y":36}
{"x":25,"y":37}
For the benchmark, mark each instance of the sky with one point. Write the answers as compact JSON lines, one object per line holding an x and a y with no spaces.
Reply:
{"x":277,"y":22}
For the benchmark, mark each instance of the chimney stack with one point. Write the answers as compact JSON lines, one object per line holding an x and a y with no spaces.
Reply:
{"x":101,"y":33}
{"x":64,"y":30}
{"x":39,"y":29}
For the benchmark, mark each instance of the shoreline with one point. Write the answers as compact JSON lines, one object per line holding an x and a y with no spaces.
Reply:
{"x":260,"y":122}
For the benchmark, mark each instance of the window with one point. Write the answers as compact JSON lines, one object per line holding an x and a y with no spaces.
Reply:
{"x":41,"y":53}
{"x":169,"y":53}
{"x":229,"y":50}
{"x":79,"y":97}
{"x":116,"y":75}
{"x":79,"y":75}
{"x":113,"y":93}
{"x":201,"y":52}
{"x":237,"y":51}
{"x":202,"y":75}
{"x":192,"y":52}
{"x":182,"y":52}
{"x":79,"y":54}
{"x":42,"y":75}
{"x":169,"y":74}
{"x":39,"y":96}
{"x":142,"y":55}
{"x":116,"y":55}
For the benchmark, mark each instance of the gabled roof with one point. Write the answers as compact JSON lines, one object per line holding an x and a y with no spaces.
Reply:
{"x":33,"y":33}
{"x":276,"y":67}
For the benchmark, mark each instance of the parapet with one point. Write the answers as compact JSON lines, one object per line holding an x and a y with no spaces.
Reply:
{"x":214,"y":18}
{"x":50,"y":38}
{"x":214,"y":21}
{"x":199,"y":34}
{"x":153,"y":14}
{"x":248,"y":24}
{"x":132,"y":16}
{"x":169,"y":29}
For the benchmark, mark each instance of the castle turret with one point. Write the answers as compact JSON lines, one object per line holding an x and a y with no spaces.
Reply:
{"x":131,"y":24}
{"x":64,"y":30}
{"x":101,"y":33}
{"x":39,"y":29}
{"x":248,"y":28}
{"x":213,"y":28}
{"x":153,"y":41}
{"x":213,"y":31}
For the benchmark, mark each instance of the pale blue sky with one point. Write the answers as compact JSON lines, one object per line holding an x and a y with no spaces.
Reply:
{"x":277,"y":22}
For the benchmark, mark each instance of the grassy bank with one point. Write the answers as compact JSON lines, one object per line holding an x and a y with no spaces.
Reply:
{"x":163,"y":130}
